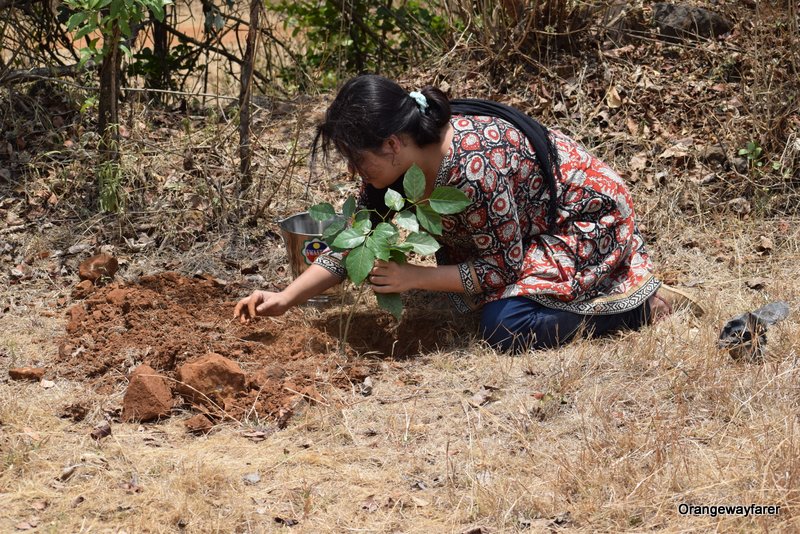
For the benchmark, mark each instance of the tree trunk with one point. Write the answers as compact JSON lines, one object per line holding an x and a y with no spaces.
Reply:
{"x":108,"y":120}
{"x":160,"y":79}
{"x":248,"y":66}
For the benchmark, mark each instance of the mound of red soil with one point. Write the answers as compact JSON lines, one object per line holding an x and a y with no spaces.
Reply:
{"x":167,"y":320}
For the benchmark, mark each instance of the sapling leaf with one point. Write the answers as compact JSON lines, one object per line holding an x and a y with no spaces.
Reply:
{"x":397,"y":256}
{"x":322,"y":211}
{"x":348,"y":239}
{"x":378,"y":246}
{"x":448,"y":200}
{"x":363,"y":225}
{"x":349,"y":207}
{"x":403,"y":248}
{"x":387,"y":232}
{"x":332,"y":230}
{"x":429,"y":219}
{"x":422,"y":243}
{"x":414,"y":183}
{"x":407,"y":220}
{"x":359,"y":263}
{"x":394,"y":200}
{"x":392,"y":302}
{"x":362,"y":215}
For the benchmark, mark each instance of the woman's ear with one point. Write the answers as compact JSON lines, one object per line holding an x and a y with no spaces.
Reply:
{"x":394,"y":144}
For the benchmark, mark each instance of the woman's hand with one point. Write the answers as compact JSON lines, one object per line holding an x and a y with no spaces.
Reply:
{"x":260,"y":303}
{"x":392,"y":277}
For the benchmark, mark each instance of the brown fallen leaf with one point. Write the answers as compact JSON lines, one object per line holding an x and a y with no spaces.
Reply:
{"x":638,"y":162}
{"x":482,"y":396}
{"x":39,"y":505}
{"x":258,"y":435}
{"x":765,"y":245}
{"x":370,"y":504}
{"x":613,"y":100}
{"x":101,"y":431}
{"x":286,"y":522}
{"x":756,"y":283}
{"x":68,"y":471}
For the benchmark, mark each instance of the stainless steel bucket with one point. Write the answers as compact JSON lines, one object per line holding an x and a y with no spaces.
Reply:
{"x":303,"y":238}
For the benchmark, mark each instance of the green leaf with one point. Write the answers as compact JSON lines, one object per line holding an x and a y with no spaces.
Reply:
{"x":448,"y":200}
{"x":407,"y":220}
{"x":386,"y":232}
{"x":397,"y":256}
{"x":76,"y":19}
{"x":359,"y":263}
{"x":90,"y":26}
{"x":362,"y":215}
{"x":321,"y":212}
{"x":379,"y":247}
{"x":349,"y":207}
{"x":348,"y":239}
{"x":414,"y":183}
{"x":423,"y":243}
{"x":394,"y":200}
{"x":363,"y":225}
{"x":392,"y":302}
{"x":332,"y":230}
{"x":429,"y":219}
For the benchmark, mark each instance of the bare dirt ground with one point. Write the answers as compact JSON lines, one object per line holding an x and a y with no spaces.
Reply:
{"x":416,"y":426}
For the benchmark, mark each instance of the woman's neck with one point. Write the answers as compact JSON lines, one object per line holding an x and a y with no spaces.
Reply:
{"x":431,"y":158}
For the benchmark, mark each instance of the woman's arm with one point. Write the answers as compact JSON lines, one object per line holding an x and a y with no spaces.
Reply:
{"x":391,"y":277}
{"x":311,"y":283}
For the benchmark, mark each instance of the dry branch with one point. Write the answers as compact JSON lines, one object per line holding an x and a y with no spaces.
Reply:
{"x":38,"y":73}
{"x":221,"y":51}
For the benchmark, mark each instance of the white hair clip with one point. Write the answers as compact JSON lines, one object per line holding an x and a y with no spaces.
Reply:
{"x":422,"y":102}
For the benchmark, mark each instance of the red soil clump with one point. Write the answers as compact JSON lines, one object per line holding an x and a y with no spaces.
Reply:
{"x":167,"y":321}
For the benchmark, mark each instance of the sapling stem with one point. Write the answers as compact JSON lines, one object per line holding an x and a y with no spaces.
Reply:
{"x":343,"y":334}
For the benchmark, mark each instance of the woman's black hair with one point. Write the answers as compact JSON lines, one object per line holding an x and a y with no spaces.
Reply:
{"x":369,"y":109}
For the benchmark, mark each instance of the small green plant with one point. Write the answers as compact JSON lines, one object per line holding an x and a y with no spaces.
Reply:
{"x":109,"y":185}
{"x":754,"y":154}
{"x":393,"y":239}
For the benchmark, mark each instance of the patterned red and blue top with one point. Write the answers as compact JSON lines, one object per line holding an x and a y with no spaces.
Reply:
{"x":592,"y":262}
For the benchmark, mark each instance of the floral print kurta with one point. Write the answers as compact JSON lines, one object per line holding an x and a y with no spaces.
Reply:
{"x":592,"y":262}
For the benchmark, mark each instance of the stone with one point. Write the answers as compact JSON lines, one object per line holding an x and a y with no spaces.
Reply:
{"x":75,"y":316}
{"x":148,"y":396}
{"x":26,"y":373}
{"x":199,"y":424}
{"x":97,"y":267}
{"x":676,"y":22}
{"x":210,"y":377}
{"x":82,"y":289}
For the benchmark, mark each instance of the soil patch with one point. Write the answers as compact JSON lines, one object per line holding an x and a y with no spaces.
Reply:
{"x":167,"y":320}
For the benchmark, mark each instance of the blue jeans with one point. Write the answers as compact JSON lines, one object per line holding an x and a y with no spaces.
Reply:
{"x":518,"y":323}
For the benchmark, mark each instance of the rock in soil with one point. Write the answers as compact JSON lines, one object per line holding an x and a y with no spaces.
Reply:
{"x":82,"y":290}
{"x":97,"y":267}
{"x":199,"y":424}
{"x":210,"y":377}
{"x":148,"y":396}
{"x":26,"y":373}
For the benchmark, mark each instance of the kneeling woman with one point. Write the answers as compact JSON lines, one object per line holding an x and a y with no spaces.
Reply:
{"x":548,"y":246}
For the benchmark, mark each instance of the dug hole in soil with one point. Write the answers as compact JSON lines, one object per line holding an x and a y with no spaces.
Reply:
{"x":173,"y":337}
